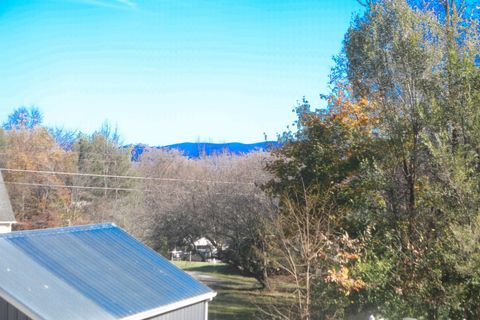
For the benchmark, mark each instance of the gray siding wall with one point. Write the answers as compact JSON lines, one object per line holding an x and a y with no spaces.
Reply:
{"x":9,"y":312}
{"x":193,"y":312}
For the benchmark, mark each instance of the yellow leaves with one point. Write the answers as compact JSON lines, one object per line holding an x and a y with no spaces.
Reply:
{"x":344,"y":280}
{"x":347,"y":256}
{"x":352,"y":113}
{"x":340,"y":273}
{"x":379,"y":200}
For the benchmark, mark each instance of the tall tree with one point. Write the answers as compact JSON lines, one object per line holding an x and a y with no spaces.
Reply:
{"x":418,"y":65}
{"x":315,"y":181}
{"x":99,"y":156}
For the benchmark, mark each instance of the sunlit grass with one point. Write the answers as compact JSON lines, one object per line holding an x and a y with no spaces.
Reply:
{"x":239,"y":297}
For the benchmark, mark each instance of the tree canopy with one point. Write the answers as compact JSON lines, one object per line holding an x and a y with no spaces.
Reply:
{"x":396,"y":153}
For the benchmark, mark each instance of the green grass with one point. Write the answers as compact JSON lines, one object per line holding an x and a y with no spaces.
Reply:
{"x":238,"y":297}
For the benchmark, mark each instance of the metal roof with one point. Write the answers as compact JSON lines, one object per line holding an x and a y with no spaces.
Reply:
{"x":91,"y":272}
{"x":6,"y":212}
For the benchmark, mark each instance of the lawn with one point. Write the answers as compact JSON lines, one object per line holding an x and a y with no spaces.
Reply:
{"x":238,"y":297}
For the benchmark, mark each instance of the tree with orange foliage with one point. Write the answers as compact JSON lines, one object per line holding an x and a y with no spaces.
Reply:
{"x":328,"y":146}
{"x":35,"y":204}
{"x":358,"y":115}
{"x":311,"y":247}
{"x":315,"y":179}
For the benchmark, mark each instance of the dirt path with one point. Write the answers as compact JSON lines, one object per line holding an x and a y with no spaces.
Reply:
{"x":210,"y":280}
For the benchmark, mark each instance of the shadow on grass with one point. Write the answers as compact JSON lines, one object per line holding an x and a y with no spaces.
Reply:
{"x":217,"y":268}
{"x":226,"y":286}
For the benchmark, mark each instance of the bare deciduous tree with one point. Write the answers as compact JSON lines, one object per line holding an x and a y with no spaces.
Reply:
{"x":216,"y":197}
{"x":310,"y":246}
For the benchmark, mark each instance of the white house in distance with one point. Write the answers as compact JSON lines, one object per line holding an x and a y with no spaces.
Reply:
{"x":204,"y":247}
{"x":7,"y":218}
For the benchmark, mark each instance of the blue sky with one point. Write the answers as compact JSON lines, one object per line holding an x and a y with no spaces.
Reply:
{"x":169,"y":71}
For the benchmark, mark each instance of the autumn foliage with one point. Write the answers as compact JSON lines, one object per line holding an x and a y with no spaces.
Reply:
{"x":35,"y":203}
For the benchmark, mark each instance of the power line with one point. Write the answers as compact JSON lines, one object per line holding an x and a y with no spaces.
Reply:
{"x":61,"y":186}
{"x":32,"y":184}
{"x":64,"y":173}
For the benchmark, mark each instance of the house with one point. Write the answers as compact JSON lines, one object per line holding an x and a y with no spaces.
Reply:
{"x":205,"y":248}
{"x":7,"y":218}
{"x":93,"y":272}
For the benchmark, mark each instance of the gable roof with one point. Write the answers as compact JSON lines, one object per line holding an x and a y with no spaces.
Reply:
{"x":91,"y":272}
{"x":6,"y":212}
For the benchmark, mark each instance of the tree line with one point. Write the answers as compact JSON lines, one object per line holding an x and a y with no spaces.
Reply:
{"x":379,"y":192}
{"x":58,"y":177}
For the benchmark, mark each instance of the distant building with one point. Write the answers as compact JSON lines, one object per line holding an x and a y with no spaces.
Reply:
{"x":93,"y":272}
{"x":7,"y":218}
{"x":203,"y":243}
{"x":205,"y":248}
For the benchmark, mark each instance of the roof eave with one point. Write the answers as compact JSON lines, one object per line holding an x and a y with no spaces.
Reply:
{"x":19,"y":305}
{"x":171,"y":307}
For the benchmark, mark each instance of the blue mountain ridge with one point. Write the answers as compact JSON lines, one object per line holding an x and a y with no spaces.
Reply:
{"x":198,"y":149}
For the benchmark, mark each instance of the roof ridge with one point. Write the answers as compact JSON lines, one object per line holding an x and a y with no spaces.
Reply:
{"x":59,"y":230}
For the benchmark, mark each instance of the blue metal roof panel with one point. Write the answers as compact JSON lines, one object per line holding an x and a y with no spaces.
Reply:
{"x":105,"y":265}
{"x":38,"y":293}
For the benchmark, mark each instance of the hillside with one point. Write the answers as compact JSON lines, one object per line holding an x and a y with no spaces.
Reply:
{"x":197,"y":149}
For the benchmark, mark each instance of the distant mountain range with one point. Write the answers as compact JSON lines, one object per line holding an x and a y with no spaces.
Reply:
{"x":197,"y":149}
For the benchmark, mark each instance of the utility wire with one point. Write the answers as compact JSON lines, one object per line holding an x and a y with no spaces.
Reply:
{"x":61,"y":186}
{"x":64,"y":173}
{"x":72,"y":187}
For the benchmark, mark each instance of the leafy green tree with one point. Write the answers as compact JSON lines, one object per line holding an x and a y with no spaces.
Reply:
{"x":418,"y":66}
{"x":100,"y":155}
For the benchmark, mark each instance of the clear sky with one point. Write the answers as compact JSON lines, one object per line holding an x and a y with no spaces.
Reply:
{"x":168,"y":71}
